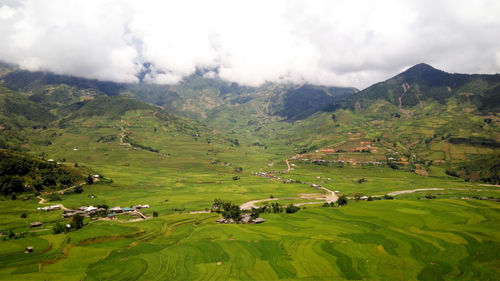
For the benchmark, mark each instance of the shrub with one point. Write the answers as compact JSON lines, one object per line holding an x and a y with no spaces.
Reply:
{"x":290,"y":209}
{"x":54,"y":197}
{"x":428,"y":196}
{"x":276,"y":208}
{"x":58,"y":228}
{"x":77,"y":221}
{"x":227,"y":209}
{"x":342,"y":200}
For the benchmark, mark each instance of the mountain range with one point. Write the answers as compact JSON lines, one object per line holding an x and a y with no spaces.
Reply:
{"x":418,"y":117}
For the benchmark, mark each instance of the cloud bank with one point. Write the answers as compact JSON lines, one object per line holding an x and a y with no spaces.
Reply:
{"x":343,"y":43}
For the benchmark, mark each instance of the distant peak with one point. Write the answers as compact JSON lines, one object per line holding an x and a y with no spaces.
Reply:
{"x":421,"y":71}
{"x":421,"y":67}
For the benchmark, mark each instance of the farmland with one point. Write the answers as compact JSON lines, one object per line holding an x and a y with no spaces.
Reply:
{"x":397,"y":240}
{"x":440,"y":223}
{"x":402,"y":239}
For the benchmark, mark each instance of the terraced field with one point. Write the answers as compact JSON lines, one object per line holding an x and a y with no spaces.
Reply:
{"x":402,"y":239}
{"x":396,"y":240}
{"x":179,"y":166}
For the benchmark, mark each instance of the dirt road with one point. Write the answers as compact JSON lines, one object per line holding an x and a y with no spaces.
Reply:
{"x":44,"y":202}
{"x":329,"y":198}
{"x":288,"y":164}
{"x":394,"y":193}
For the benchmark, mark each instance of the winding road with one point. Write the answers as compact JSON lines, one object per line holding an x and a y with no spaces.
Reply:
{"x":329,"y":198}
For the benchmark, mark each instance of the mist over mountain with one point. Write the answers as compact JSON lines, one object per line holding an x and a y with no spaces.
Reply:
{"x":249,"y":140}
{"x":333,"y":44}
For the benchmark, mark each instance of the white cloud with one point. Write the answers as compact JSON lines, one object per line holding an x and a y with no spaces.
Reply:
{"x":349,"y":43}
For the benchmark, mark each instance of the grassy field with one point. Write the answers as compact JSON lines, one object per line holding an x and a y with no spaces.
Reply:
{"x":396,"y":240}
{"x":402,"y":239}
{"x":181,"y":167}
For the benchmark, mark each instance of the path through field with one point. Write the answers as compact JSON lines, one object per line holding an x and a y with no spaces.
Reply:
{"x":411,"y":191}
{"x":331,"y":197}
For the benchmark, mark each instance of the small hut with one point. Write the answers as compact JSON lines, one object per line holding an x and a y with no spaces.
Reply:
{"x":35,"y":224}
{"x":258,"y":220}
{"x":245,"y":218}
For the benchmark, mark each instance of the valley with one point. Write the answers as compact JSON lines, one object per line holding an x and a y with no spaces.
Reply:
{"x":425,"y":154}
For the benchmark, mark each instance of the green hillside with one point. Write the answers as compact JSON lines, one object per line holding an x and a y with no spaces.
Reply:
{"x":423,"y":83}
{"x":428,"y":169}
{"x":23,"y":173}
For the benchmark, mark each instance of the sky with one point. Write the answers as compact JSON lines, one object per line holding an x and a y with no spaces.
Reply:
{"x":333,"y":43}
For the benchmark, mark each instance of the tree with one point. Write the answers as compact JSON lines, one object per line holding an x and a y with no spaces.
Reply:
{"x":342,"y":200}
{"x":11,"y":184}
{"x":290,"y":209}
{"x":11,"y":234}
{"x":78,"y":189}
{"x":255,"y":212}
{"x":58,"y":228}
{"x":276,"y":208}
{"x":90,"y":180}
{"x":227,"y":209}
{"x":104,"y":206}
{"x":77,"y":221}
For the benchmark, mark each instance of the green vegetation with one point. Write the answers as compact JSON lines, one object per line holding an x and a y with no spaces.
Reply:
{"x":483,"y":168}
{"x":23,"y":173}
{"x":227,"y":209}
{"x":446,"y":238}
{"x":419,"y":220}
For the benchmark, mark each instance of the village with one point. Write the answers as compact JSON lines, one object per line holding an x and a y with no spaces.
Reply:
{"x":342,"y":162}
{"x":101,"y":211}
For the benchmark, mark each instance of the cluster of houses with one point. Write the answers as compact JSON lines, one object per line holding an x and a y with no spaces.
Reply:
{"x":352,"y":162}
{"x":91,"y":210}
{"x":245,"y":219}
{"x":84,"y":211}
{"x":119,"y":210}
{"x":272,"y":175}
{"x":365,"y":146}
